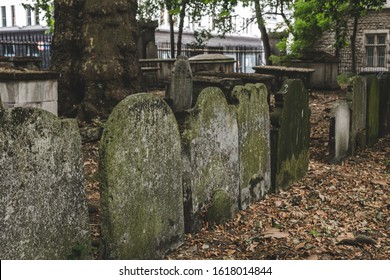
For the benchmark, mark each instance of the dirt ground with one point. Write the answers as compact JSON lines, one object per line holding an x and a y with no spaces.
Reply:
{"x":334,"y":212}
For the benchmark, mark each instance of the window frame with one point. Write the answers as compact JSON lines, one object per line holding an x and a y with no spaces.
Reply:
{"x":375,"y":50}
{"x":3,"y":10}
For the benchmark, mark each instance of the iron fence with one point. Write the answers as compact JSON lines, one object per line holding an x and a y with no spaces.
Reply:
{"x":26,"y":45}
{"x":245,"y":57}
{"x":38,"y":45}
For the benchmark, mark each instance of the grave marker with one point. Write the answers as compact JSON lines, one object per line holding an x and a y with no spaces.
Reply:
{"x":141,"y":180}
{"x":254,"y":142}
{"x":43,"y":213}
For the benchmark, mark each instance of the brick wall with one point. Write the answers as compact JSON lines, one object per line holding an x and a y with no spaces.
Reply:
{"x":372,"y":21}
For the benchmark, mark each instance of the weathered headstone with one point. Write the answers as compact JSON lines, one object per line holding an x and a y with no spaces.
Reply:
{"x":254,"y":142}
{"x":290,"y":134}
{"x":358,"y":104}
{"x":43,"y":213}
{"x":151,"y":50}
{"x":372,"y":110}
{"x":141,"y":185}
{"x":210,"y":158}
{"x":181,"y":86}
{"x":339,"y":131}
{"x":384,"y":105}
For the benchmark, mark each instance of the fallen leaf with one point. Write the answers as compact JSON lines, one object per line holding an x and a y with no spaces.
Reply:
{"x":274,"y":232}
{"x":380,"y":182}
{"x":312,"y":257}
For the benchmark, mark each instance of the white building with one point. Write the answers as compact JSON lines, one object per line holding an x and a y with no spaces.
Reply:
{"x":243,"y":42}
{"x":14,"y":16}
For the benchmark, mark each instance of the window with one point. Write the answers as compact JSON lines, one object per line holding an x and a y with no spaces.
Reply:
{"x":28,"y":13}
{"x":36,"y":9}
{"x":3,"y":16}
{"x":375,"y":44}
{"x":13,"y":16}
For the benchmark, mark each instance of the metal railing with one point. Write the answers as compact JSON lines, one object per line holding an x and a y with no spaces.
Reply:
{"x":26,"y":45}
{"x":245,"y":57}
{"x":38,"y":45}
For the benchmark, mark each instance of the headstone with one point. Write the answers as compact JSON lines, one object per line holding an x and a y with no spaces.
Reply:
{"x":43,"y":212}
{"x":254,"y":142}
{"x":358,"y":103}
{"x":181,"y":86}
{"x":372,"y":110}
{"x":1,"y":103}
{"x":339,"y":131}
{"x":290,"y":134}
{"x":151,"y":50}
{"x":210,"y":158}
{"x":141,"y":185}
{"x":384,"y":105}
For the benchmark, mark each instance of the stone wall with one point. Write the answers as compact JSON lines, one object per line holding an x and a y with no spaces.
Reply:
{"x":36,"y":89}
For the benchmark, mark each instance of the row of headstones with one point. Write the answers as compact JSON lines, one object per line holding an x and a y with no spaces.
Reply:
{"x":362,"y":119}
{"x":157,"y":181}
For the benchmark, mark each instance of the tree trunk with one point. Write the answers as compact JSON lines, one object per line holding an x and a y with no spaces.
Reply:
{"x":264,"y":33}
{"x":94,"y":48}
{"x":353,"y":45}
{"x":181,"y":26}
{"x":168,"y":4}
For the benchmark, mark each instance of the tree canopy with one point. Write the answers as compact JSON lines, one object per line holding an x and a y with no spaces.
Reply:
{"x":313,"y":17}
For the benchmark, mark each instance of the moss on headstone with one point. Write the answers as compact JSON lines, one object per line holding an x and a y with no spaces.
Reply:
{"x":372,"y":110}
{"x":254,"y":142}
{"x":210,"y":156}
{"x":219,"y":209}
{"x":43,"y":213}
{"x":141,"y":185}
{"x":384,"y":108}
{"x":290,"y":136}
{"x":181,"y":85}
{"x":358,"y":104}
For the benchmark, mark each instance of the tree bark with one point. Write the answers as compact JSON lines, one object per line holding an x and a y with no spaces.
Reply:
{"x":94,"y":48}
{"x":169,"y":6}
{"x":264,"y":33}
{"x":181,"y":26}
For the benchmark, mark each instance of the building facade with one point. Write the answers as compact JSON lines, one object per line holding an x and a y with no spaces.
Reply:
{"x":372,"y":43}
{"x":14,"y":15}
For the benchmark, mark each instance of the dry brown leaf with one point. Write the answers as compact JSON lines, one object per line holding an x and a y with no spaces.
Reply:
{"x":312,"y":257}
{"x":274,"y":232}
{"x":380,"y":182}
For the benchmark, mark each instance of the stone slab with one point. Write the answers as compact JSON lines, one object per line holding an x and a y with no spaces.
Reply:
{"x":141,"y":180}
{"x":211,"y":161}
{"x":254,"y":142}
{"x":181,"y":85}
{"x":290,"y":134}
{"x":43,"y":212}
{"x":340,"y":130}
